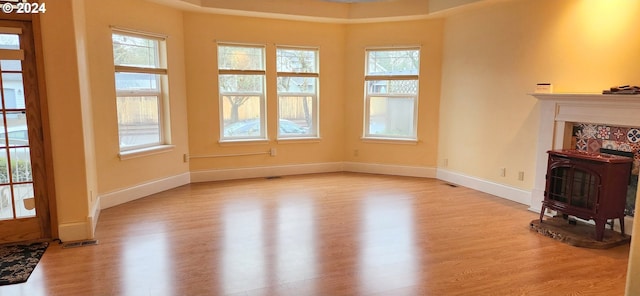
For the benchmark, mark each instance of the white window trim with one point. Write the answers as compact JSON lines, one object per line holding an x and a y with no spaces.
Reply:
{"x":161,"y":93}
{"x":263,"y":95}
{"x":369,"y":77}
{"x":315,"y":96}
{"x":141,"y":152}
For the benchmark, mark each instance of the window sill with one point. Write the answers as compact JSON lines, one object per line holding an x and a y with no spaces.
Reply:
{"x":129,"y":154}
{"x":390,"y":140}
{"x":299,"y":140}
{"x":243,"y":142}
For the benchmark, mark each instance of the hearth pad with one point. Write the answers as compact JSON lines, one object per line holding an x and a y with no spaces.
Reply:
{"x":579,"y":234}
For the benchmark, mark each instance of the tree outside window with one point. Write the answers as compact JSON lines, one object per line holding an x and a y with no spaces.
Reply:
{"x":297,"y":92}
{"x":241,"y":79}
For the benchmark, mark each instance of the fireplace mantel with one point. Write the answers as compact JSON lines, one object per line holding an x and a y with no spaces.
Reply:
{"x":586,"y":97}
{"x":621,"y":110}
{"x":558,"y":112}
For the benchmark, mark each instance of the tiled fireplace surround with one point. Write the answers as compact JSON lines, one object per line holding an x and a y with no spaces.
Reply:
{"x":561,"y":113}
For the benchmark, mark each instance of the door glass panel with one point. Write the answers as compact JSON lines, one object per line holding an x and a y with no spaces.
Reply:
{"x":13,"y":91}
{"x":4,"y":167}
{"x":16,"y":130}
{"x":9,"y":41}
{"x":20,"y":165}
{"x":23,"y":197}
{"x":6,"y":208}
{"x":11,"y":65}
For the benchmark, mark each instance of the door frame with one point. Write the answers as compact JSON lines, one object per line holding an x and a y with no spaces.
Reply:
{"x":49,"y":231}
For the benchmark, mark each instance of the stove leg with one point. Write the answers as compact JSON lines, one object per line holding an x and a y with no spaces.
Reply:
{"x":600,"y":223}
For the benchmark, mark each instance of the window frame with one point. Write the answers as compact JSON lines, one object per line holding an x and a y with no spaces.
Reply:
{"x":366,"y":131}
{"x":161,"y":92}
{"x":315,"y":97}
{"x":261,"y":95}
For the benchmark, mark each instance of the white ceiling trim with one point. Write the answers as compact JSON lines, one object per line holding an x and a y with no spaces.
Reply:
{"x":199,"y":6}
{"x":195,"y":7}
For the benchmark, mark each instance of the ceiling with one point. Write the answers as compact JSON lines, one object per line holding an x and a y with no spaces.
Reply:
{"x":328,"y":11}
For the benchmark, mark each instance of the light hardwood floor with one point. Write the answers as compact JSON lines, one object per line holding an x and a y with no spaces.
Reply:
{"x":324,"y":234}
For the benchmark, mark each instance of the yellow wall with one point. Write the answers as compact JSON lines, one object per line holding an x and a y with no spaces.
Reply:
{"x":87,"y":116}
{"x":113,"y":173}
{"x":76,"y":39}
{"x":65,"y":116}
{"x":424,"y":33}
{"x":202,"y":31}
{"x":495,"y":55}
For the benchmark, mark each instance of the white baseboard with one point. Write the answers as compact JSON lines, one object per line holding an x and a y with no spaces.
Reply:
{"x":386,"y":169}
{"x":507,"y":192}
{"x":93,"y":218}
{"x":263,"y":172}
{"x":141,"y":190}
{"x":74,"y":231}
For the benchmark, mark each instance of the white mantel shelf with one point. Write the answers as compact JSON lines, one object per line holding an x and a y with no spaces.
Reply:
{"x":619,"y":110}
{"x":585,"y":97}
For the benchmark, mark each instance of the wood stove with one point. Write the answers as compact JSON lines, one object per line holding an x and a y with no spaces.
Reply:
{"x":587,"y":185}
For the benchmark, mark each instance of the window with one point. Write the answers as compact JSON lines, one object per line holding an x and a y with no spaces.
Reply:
{"x":297,"y":92}
{"x":242,"y":92}
{"x":391,"y":93}
{"x":141,"y":90}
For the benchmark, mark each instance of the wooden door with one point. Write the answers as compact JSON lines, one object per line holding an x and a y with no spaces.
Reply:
{"x":24,"y":202}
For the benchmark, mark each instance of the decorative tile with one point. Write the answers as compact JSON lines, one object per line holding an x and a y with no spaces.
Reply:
{"x":589,"y":131}
{"x":591,"y":137}
{"x":626,"y":147}
{"x":613,"y":145}
{"x":619,"y":133}
{"x":633,"y":135}
{"x":594,"y":145}
{"x":603,"y":132}
{"x":635,"y":148}
{"x":576,"y":128}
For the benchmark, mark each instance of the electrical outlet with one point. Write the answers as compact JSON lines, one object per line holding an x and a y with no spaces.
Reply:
{"x":273,"y":152}
{"x":503,"y":172}
{"x":445,"y":162}
{"x":520,"y":176}
{"x":356,"y":152}
{"x":185,"y":157}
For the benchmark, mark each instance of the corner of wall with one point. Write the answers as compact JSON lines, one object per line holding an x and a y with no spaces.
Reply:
{"x":75,"y":231}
